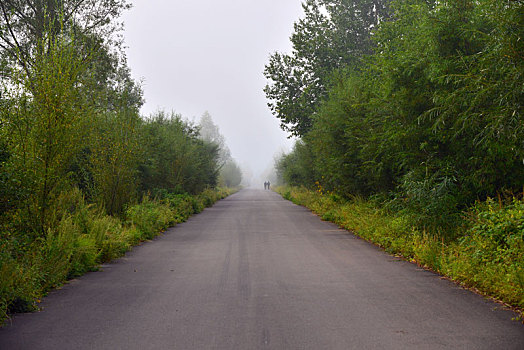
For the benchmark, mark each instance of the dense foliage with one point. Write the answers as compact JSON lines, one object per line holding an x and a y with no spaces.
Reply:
{"x":428,"y":118}
{"x":85,"y":237}
{"x":488,"y":256}
{"x":333,"y":34}
{"x":407,"y":144}
{"x":78,"y":164}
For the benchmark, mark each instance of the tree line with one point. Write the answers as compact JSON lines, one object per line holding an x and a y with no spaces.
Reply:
{"x":414,"y":103}
{"x":70,"y":117}
{"x":83,"y":176}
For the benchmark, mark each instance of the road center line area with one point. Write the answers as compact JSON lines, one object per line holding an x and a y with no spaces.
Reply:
{"x":258,"y":272}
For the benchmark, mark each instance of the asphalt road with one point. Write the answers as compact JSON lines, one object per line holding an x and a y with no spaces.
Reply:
{"x":257,"y":272}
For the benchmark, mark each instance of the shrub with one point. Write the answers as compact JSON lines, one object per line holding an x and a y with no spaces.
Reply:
{"x":487,"y":253}
{"x":150,"y":217}
{"x":17,"y":287}
{"x":106,"y":233}
{"x":83,"y":238}
{"x":490,"y":255}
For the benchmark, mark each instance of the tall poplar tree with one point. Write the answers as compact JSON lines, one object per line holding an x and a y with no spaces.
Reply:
{"x":332,"y":35}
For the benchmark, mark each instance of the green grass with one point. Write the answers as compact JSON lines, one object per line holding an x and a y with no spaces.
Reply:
{"x":83,"y":238}
{"x":487,"y":255}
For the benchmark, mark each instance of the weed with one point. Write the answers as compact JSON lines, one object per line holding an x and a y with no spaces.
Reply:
{"x":83,"y":237}
{"x":487,"y":251}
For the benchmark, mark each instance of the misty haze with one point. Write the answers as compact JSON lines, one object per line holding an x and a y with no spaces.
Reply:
{"x":195,"y":56}
{"x":270,"y":174}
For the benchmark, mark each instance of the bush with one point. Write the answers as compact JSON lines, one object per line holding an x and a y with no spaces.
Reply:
{"x":487,"y":252}
{"x":490,"y":255}
{"x":107,"y":235}
{"x":83,"y":238}
{"x":17,"y":287}
{"x":150,"y":217}
{"x":430,"y":201}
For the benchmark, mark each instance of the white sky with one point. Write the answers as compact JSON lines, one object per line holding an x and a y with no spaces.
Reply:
{"x":207,"y":55}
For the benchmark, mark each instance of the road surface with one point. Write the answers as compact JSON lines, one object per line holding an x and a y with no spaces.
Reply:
{"x":258,"y":272}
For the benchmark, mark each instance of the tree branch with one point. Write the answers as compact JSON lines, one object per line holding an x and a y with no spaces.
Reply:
{"x":15,"y":46}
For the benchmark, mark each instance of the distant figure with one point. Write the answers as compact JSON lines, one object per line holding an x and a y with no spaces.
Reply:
{"x":265,"y":185}
{"x":268,"y":185}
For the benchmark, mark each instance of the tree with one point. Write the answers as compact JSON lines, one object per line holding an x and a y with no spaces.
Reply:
{"x":230,"y":174}
{"x":298,"y":168}
{"x":25,"y":23}
{"x":432,"y":118}
{"x":333,"y":34}
{"x":44,"y":129}
{"x":210,"y":132}
{"x":114,"y":154}
{"x":69,"y":105}
{"x":175,"y":158}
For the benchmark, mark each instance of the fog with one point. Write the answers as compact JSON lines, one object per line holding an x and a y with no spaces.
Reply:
{"x":195,"y":56}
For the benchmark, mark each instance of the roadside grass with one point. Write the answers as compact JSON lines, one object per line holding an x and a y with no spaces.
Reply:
{"x":83,"y":238}
{"x":487,"y":254}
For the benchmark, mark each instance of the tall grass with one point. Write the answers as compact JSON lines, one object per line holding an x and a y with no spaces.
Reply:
{"x":84,"y":237}
{"x":488,"y":253}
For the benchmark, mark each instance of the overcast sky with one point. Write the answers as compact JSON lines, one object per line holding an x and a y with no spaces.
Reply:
{"x":207,"y":55}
